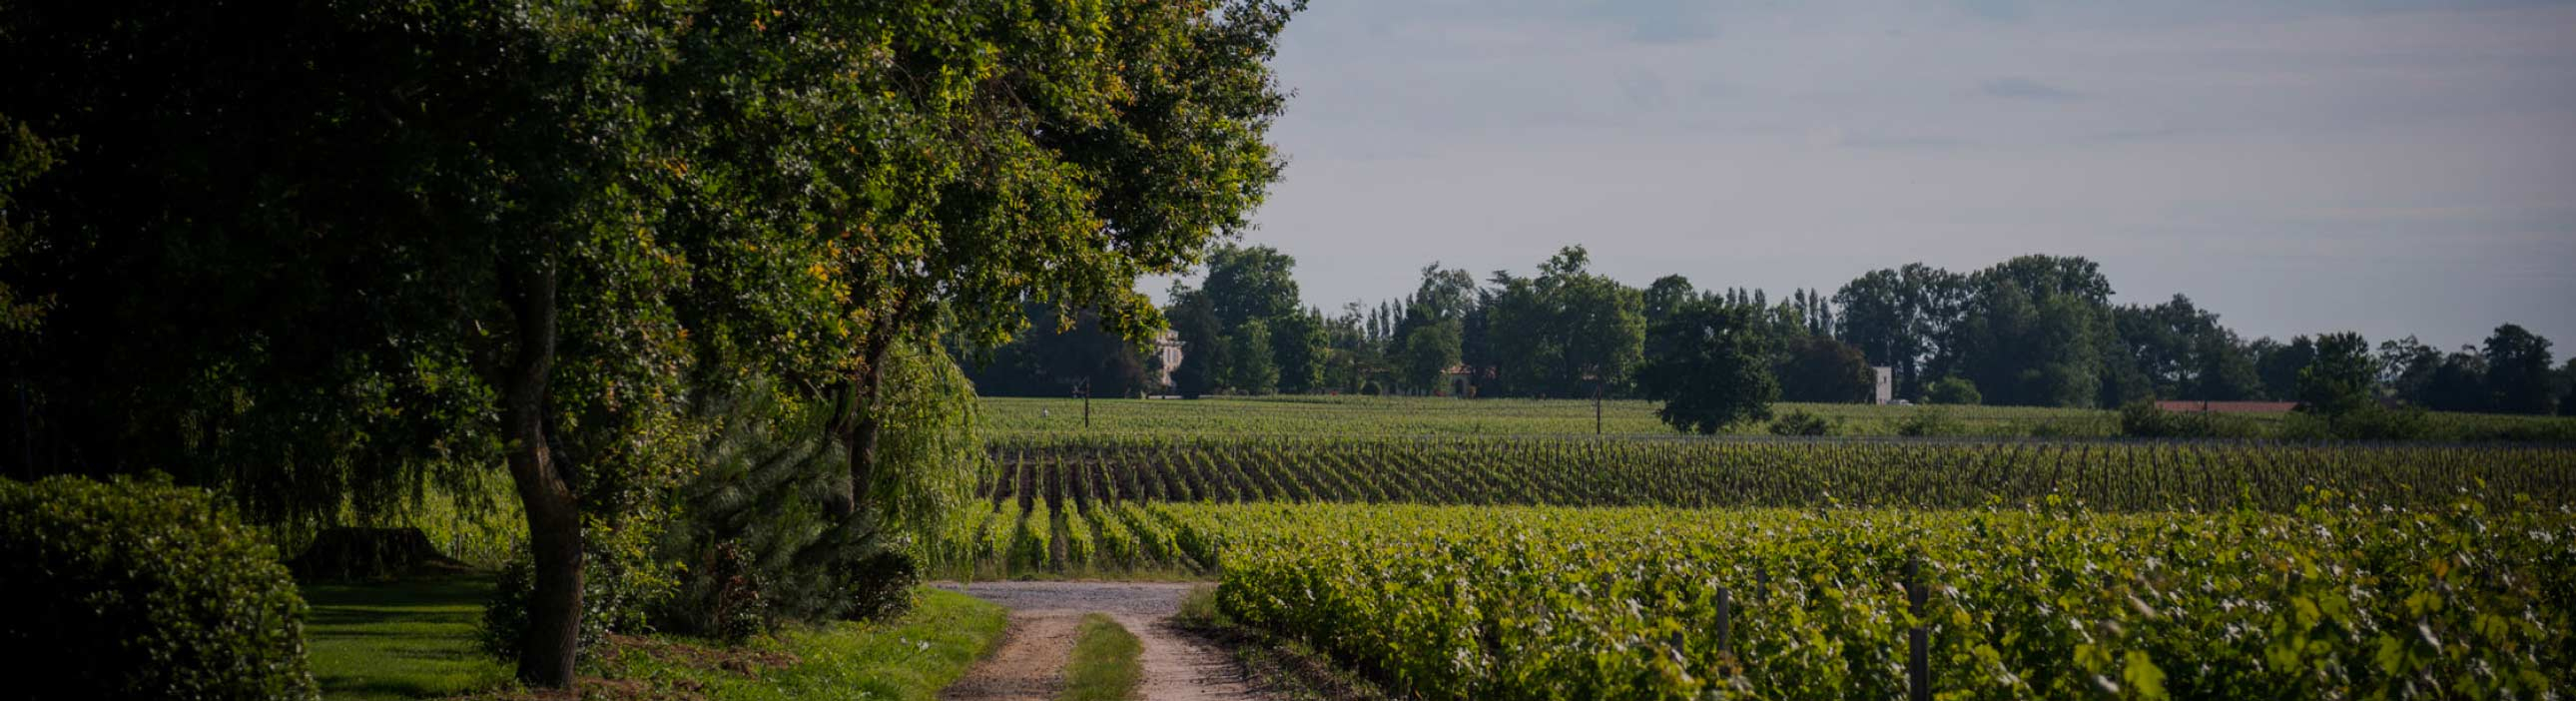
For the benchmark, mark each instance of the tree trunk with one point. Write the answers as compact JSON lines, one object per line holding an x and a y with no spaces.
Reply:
{"x":548,"y":647}
{"x":862,"y":436}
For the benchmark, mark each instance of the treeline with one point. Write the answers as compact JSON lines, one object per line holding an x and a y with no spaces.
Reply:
{"x":2031,"y":331}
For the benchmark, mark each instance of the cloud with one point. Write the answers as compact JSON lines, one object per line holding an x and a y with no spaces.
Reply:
{"x":2016,"y":88}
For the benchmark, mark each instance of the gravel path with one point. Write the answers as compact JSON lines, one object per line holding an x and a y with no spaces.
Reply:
{"x":1044,"y":616}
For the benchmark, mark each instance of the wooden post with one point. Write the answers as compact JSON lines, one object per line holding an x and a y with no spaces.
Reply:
{"x":1918,"y":641}
{"x":1725,"y":621}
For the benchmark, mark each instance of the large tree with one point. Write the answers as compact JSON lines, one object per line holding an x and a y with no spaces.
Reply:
{"x":388,"y":243}
{"x":1820,"y":369}
{"x":2035,"y":332}
{"x":1566,"y":332}
{"x":1712,"y":372}
{"x":2339,"y":380}
{"x":2518,"y":371}
{"x":1252,"y":283}
{"x":1902,"y":318}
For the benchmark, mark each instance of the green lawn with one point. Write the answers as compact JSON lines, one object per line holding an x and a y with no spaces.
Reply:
{"x":400,"y":640}
{"x":415,"y":639}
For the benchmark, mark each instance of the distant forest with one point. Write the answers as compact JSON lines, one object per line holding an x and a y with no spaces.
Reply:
{"x":2035,"y":330}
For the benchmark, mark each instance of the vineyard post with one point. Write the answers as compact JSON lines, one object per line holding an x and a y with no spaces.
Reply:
{"x":1918,"y":643}
{"x":1725,"y":622}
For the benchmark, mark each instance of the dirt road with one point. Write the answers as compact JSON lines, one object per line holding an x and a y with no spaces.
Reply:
{"x":1044,"y":616}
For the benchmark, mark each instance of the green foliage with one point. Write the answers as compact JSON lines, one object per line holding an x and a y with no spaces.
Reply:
{"x":2145,"y":420}
{"x":622,"y":584}
{"x":1956,"y":391}
{"x":23,"y":157}
{"x":759,"y":552}
{"x":1821,"y":369}
{"x":1249,"y":366}
{"x":1710,"y":370}
{"x":2339,"y":380}
{"x":132,"y":589}
{"x":2368,"y":422}
{"x":1115,"y":474}
{"x":2051,"y":602}
{"x":1797,"y":422}
{"x":2518,"y":375}
{"x":1428,"y":352}
{"x":1567,"y":332}
{"x":1930,"y":421}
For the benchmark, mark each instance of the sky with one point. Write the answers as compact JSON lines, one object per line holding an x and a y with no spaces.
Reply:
{"x":2298,"y":167}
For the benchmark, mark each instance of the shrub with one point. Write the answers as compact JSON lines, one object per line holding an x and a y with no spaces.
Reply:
{"x":1929,"y":421}
{"x":132,"y":589}
{"x":2144,"y":420}
{"x":1953,"y":390}
{"x":1799,"y":422}
{"x":882,"y":586}
{"x":2369,"y":422}
{"x":618,"y":585}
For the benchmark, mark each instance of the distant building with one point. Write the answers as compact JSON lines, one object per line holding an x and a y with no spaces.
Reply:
{"x":1886,"y":392}
{"x":1167,"y":349}
{"x":2206,"y":407}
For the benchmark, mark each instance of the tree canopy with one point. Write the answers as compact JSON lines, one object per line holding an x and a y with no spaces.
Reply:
{"x":344,"y":249}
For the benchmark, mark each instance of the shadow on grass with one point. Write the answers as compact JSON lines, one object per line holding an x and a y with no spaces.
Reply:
{"x":400,"y":640}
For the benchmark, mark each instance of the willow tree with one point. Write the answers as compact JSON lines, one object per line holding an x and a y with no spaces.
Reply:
{"x":321,"y":253}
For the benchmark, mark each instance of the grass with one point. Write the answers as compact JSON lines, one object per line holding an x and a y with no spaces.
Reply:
{"x":415,"y":639}
{"x":1104,"y":665}
{"x":909,"y":658}
{"x":400,"y":640}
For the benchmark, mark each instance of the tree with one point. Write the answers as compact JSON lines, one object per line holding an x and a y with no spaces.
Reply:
{"x":2279,"y":365}
{"x":2518,"y":371}
{"x":1714,"y":374}
{"x":1567,"y":332}
{"x":1250,"y":284}
{"x":2567,"y":389}
{"x":1428,"y":353}
{"x":1249,"y":368}
{"x":1953,"y":390}
{"x":2339,"y":380}
{"x":1903,"y":318}
{"x":2033,"y":334}
{"x":2459,"y":384}
{"x":2406,"y":368}
{"x":395,"y":243}
{"x":1203,"y":347}
{"x":1820,"y":369}
{"x":1051,"y":359}
{"x":1666,"y":296}
{"x":1299,"y":346}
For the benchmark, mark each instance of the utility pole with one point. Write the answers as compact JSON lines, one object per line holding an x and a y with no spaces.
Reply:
{"x":1596,"y":406}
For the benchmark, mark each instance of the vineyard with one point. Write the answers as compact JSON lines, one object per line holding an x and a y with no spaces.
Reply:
{"x":2117,"y":476}
{"x":1542,"y":568}
{"x":2046,"y":602}
{"x":1413,"y":416}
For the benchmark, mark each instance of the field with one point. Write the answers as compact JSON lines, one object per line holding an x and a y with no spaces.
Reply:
{"x":1432,"y":416}
{"x":1493,"y":550}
